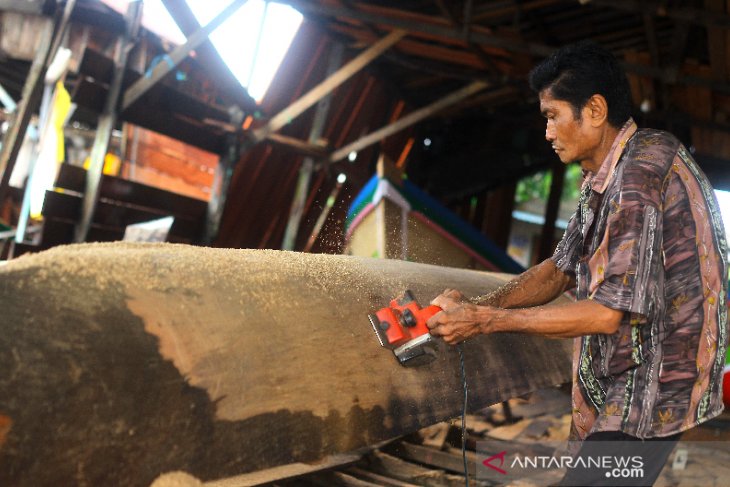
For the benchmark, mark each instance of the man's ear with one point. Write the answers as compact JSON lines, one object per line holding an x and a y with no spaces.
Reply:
{"x":596,"y":109}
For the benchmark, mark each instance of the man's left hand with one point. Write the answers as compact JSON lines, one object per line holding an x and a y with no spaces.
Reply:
{"x":457,"y":321}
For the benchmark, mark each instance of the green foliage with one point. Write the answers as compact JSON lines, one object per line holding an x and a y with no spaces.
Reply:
{"x":572,"y":183}
{"x":537,"y":186}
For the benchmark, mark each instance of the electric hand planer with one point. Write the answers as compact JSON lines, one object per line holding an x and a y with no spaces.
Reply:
{"x":402,"y":328}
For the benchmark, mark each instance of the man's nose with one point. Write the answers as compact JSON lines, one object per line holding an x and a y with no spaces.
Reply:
{"x":549,"y":133}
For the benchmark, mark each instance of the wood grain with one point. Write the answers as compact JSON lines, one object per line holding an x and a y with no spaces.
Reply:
{"x":124,"y":361}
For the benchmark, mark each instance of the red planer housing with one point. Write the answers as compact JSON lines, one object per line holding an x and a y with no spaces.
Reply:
{"x":402,"y":328}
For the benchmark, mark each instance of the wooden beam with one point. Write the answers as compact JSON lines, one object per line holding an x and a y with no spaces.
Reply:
{"x":29,"y":99}
{"x":440,"y":459}
{"x":208,"y":56}
{"x":382,"y":480}
{"x":716,"y":41}
{"x":330,"y":478}
{"x":328,"y":85}
{"x":496,"y":220}
{"x":192,"y":120}
{"x":420,"y":26}
{"x":448,"y":14}
{"x":50,"y":40}
{"x":678,"y":48}
{"x":650,"y":28}
{"x":222,"y":178}
{"x":677,"y":51}
{"x":262,"y":477}
{"x":488,"y":11}
{"x":684,"y":120}
{"x":219,"y":362}
{"x":376,"y":33}
{"x":344,"y":129}
{"x":299,"y":146}
{"x":319,"y":224}
{"x":307,"y":167}
{"x":467,"y":18}
{"x":107,"y":120}
{"x":484,"y":38}
{"x":408,"y":120}
{"x":178,"y":55}
{"x":425,"y":50}
{"x":34,"y":7}
{"x":703,"y":17}
{"x":395,"y":467}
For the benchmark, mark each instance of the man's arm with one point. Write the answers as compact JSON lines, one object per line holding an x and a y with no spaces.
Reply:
{"x":536,"y":286}
{"x":459,"y":321}
{"x":496,"y":311}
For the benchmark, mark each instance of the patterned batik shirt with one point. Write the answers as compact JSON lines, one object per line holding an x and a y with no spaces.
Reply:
{"x":648,"y":239}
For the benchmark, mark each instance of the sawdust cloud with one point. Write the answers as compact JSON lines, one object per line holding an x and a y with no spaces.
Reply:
{"x":149,"y":266}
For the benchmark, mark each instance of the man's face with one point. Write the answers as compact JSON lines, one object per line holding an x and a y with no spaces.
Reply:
{"x":571,"y":139}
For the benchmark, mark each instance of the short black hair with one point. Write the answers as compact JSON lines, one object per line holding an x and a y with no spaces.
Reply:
{"x":576,"y":72}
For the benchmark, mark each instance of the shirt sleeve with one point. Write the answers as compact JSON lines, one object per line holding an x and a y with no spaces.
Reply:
{"x":567,"y":252}
{"x":620,"y":267}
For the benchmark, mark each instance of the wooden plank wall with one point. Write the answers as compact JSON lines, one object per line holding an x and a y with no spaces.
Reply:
{"x":20,"y":34}
{"x":168,"y":164}
{"x":121,"y":203}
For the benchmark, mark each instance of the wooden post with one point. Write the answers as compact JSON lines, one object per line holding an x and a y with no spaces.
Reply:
{"x":496,"y":220}
{"x":329,"y":204}
{"x":29,"y":100}
{"x":51,"y":38}
{"x":386,"y":169}
{"x":551,"y":212}
{"x":106,"y":122}
{"x":222,"y":178}
{"x":305,"y":171}
{"x":717,"y":41}
{"x":390,"y":243}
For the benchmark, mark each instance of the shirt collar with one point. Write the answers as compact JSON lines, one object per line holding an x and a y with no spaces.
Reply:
{"x":599,"y":181}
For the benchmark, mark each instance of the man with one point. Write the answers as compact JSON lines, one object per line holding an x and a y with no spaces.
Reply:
{"x":646,"y":253}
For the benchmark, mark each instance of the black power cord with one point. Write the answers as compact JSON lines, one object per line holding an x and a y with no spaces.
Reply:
{"x":465,"y":388}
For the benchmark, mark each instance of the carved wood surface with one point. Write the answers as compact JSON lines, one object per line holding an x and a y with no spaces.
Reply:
{"x":121,"y":362}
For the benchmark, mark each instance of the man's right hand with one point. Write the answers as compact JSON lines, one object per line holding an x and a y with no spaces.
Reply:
{"x":448,"y":298}
{"x":458,"y":319}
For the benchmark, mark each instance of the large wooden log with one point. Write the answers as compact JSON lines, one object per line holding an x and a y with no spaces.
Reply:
{"x":120,"y":362}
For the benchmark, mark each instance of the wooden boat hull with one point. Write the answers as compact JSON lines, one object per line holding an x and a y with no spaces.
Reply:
{"x":121,"y":362}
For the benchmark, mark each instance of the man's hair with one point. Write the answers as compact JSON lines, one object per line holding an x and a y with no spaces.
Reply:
{"x":576,"y":72}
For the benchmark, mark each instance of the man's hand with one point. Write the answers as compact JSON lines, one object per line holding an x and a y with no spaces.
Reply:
{"x":462,"y":319}
{"x":448,"y":298}
{"x":457,"y":321}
